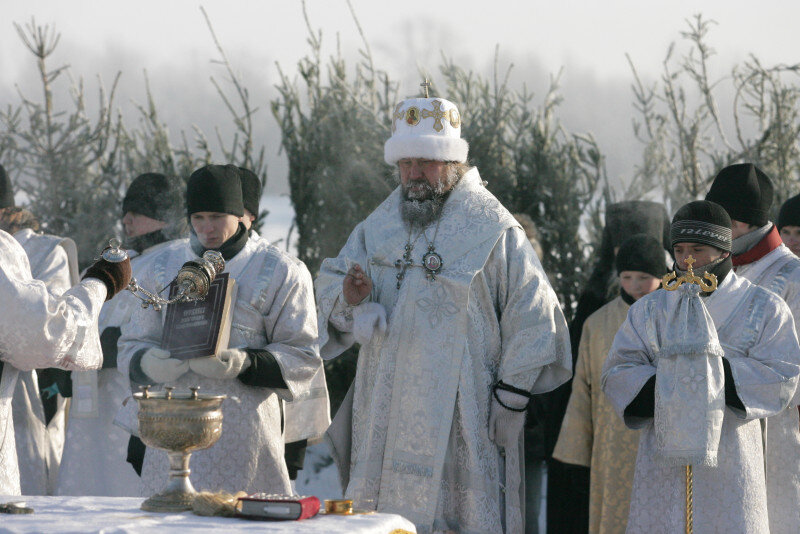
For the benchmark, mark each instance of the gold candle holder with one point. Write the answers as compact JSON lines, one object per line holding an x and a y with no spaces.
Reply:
{"x":339,"y":506}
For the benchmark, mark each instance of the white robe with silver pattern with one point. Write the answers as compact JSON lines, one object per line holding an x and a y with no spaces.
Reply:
{"x":421,"y":397}
{"x":54,"y":261}
{"x":38,"y":329}
{"x":756,"y":332}
{"x":779,"y":271}
{"x":274,"y":310}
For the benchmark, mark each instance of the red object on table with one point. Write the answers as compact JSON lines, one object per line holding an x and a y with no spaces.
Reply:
{"x":286,"y":507}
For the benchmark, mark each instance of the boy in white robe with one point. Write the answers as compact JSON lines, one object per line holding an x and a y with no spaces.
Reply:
{"x":272,"y":352}
{"x":761,"y":364}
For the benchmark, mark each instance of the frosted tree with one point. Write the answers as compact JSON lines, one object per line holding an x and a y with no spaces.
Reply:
{"x":65,"y":160}
{"x":688,"y":138}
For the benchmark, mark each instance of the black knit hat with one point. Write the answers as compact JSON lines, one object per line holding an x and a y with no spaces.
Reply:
{"x":150,"y":195}
{"x":744,"y":191}
{"x":624,"y":219}
{"x":643,"y":253}
{"x":703,"y":222}
{"x":215,"y":188}
{"x":789,"y":215}
{"x":251,"y":190}
{"x":6,"y":191}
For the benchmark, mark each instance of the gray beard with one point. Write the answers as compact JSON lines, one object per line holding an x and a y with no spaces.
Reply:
{"x":421,"y":212}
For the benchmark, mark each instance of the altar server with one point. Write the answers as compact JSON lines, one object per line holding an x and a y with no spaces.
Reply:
{"x":272,"y":353}
{"x":695,"y":371}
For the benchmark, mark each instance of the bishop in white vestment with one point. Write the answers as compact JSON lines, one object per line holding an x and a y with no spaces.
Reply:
{"x":459,"y":328}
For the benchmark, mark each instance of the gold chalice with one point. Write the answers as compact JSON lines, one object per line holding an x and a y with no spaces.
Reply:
{"x":179,"y":423}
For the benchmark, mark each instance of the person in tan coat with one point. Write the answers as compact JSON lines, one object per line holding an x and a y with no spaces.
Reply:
{"x":592,"y":435}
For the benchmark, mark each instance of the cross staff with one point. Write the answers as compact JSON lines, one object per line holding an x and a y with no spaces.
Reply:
{"x":426,"y":85}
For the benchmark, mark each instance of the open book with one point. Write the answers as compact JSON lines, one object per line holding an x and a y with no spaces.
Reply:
{"x":200,"y":328}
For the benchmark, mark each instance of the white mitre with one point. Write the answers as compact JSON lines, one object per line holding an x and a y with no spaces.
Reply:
{"x":428,"y":128}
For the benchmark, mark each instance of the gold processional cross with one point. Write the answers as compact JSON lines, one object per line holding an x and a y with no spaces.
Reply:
{"x":689,"y":278}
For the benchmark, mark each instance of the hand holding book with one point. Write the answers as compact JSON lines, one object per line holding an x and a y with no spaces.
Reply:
{"x":159,"y":366}
{"x":229,"y":363}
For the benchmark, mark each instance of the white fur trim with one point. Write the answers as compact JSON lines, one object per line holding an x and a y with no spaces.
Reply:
{"x":435,"y":147}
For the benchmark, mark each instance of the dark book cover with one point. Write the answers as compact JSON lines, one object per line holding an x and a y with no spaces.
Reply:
{"x":200,"y":328}
{"x":287,"y":507}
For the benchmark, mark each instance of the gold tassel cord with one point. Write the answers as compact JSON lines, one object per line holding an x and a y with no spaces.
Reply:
{"x":689,"y":501}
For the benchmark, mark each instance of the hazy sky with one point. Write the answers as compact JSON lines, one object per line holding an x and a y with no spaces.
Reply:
{"x":589,"y":39}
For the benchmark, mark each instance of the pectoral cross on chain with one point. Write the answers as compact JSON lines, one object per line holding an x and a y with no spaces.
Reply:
{"x":403,"y":264}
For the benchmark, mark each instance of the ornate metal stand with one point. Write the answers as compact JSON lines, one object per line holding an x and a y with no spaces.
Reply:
{"x":179,"y":424}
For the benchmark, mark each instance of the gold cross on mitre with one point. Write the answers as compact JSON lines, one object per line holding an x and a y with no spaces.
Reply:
{"x":438,"y":114}
{"x":426,"y":85}
{"x":689,"y":278}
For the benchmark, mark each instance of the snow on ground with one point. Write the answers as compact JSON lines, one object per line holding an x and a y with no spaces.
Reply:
{"x":319,"y":476}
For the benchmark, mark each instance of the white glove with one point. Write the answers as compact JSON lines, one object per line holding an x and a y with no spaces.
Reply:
{"x":505,"y":426}
{"x":157,"y":364}
{"x":227,"y":364}
{"x":369,"y":319}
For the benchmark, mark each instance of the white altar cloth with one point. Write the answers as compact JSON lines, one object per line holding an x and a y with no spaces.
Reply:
{"x":122,"y":515}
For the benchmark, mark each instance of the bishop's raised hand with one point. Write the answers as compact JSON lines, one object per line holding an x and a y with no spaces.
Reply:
{"x":356,"y":286}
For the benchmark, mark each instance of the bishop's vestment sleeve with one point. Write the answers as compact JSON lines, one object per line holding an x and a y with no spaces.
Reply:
{"x":574,"y":445}
{"x":39,"y":329}
{"x":536,"y":353}
{"x":766,"y":379}
{"x":629,"y":364}
{"x":291,"y":325}
{"x":335,"y":325}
